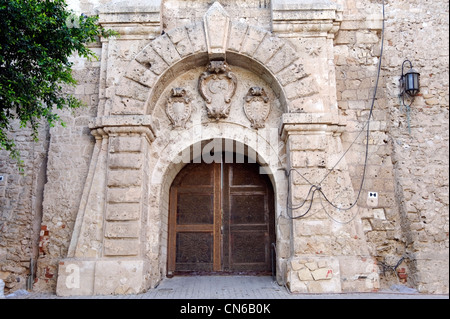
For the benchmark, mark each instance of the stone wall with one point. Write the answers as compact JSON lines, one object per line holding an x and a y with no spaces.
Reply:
{"x":357,"y":54}
{"x":21,"y":196}
{"x":418,"y":31}
{"x":69,"y":156}
{"x":408,"y":158}
{"x":407,"y":224}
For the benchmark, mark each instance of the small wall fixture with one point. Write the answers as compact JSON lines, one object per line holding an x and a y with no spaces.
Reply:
{"x":409,"y":87}
{"x":409,"y":82}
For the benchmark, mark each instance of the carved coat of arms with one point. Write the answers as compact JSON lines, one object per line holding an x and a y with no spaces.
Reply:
{"x":178,"y":108}
{"x":257,"y":106}
{"x":217,"y":86}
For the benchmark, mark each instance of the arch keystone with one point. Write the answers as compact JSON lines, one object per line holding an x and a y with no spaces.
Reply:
{"x":217,"y":25}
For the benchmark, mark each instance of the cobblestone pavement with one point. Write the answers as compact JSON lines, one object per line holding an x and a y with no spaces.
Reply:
{"x":234,"y":287}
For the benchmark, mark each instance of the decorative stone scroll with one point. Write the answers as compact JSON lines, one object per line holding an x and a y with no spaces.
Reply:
{"x":178,"y":108}
{"x":217,"y":86}
{"x":257,"y":106}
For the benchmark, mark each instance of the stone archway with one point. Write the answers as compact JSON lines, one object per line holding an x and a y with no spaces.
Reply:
{"x":117,"y":241}
{"x":167,"y":168}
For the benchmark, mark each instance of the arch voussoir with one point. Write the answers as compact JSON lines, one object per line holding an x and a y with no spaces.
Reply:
{"x":268,"y":47}
{"x":141,"y":74}
{"x":166,"y":49}
{"x":150,"y":59}
{"x":180,"y":39}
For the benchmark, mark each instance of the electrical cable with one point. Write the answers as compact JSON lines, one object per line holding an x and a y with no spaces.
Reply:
{"x":366,"y":127}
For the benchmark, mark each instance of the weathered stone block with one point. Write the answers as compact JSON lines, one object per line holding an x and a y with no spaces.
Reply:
{"x":268,"y":47}
{"x":150,"y":59}
{"x":123,"y":211}
{"x":197,"y":36}
{"x":346,"y":37}
{"x":127,"y":106}
{"x":217,"y":25}
{"x":296,"y":265}
{"x":295,"y":284}
{"x":310,"y":104}
{"x":302,"y":88}
{"x":312,"y":228}
{"x":166,"y":49}
{"x":359,"y":274}
{"x":322,"y":274}
{"x":237,"y":36}
{"x":124,"y":195}
{"x":122,"y":229}
{"x":132,"y":89}
{"x":309,"y":159}
{"x":305,"y":275}
{"x":314,"y":279}
{"x":116,"y":277}
{"x":121,"y":247}
{"x":125,"y":161}
{"x":282,"y":59}
{"x":299,"y":159}
{"x":252,"y":40}
{"x":379,"y":214}
{"x":366,"y":37}
{"x":307,"y":143}
{"x":180,"y":39}
{"x":314,"y":245}
{"x":324,"y":286}
{"x":292,"y":73}
{"x":124,"y":178}
{"x":141,"y":74}
{"x":125,"y":144}
{"x":75,"y":277}
{"x":311,"y":265}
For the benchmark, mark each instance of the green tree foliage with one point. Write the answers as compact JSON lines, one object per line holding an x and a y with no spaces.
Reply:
{"x":37,"y":38}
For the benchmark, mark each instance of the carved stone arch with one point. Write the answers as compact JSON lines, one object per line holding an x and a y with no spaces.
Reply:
{"x":187,"y":47}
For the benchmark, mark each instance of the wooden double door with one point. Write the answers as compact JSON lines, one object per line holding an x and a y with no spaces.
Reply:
{"x":221,"y":220}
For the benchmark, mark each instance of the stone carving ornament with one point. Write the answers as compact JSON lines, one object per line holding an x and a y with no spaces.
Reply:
{"x":217,"y":86}
{"x":179,"y":108}
{"x":257,"y":106}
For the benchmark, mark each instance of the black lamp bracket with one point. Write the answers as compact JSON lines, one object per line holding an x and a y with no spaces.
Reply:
{"x":402,"y":85}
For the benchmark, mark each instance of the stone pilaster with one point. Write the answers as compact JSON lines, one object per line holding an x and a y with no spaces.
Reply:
{"x":107,"y":247}
{"x":329,"y":253}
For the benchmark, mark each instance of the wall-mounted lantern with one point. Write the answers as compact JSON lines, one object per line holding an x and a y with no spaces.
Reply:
{"x":409,"y":81}
{"x":409,"y":86}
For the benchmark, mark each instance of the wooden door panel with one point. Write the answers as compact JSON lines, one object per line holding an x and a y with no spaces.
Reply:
{"x":195,"y":175}
{"x":247,"y":208}
{"x":194,"y":251}
{"x":195,"y":208}
{"x":248,"y":247}
{"x":247,"y":219}
{"x":245,"y":174}
{"x":220,"y":219}
{"x":194,"y":236}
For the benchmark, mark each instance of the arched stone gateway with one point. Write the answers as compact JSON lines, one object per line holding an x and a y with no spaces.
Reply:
{"x":198,"y":90}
